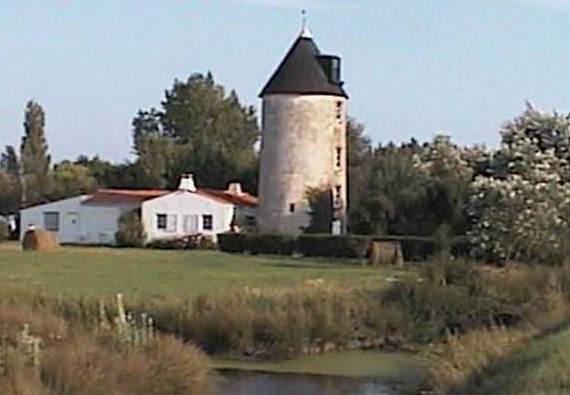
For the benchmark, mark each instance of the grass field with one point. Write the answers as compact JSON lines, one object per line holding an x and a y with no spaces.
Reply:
{"x":139,"y":273}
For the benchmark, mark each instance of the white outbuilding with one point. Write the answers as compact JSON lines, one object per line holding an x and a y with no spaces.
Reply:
{"x":93,"y":219}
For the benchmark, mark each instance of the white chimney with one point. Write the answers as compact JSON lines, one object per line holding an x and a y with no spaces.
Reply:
{"x":187,"y":183}
{"x":234,"y":188}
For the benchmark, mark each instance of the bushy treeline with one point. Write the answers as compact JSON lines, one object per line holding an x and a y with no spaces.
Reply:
{"x":199,"y":128}
{"x":513,"y":202}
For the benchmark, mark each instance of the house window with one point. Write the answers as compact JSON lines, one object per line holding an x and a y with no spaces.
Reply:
{"x":161,"y":221}
{"x":250,"y":220}
{"x":292,"y":207}
{"x":172,"y":223}
{"x":338,"y":158}
{"x":191,"y":224}
{"x":51,"y":221}
{"x":207,"y":222}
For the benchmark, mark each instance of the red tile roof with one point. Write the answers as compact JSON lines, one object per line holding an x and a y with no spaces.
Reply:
{"x":137,"y":196}
{"x":118,"y":196}
{"x":242,"y":199}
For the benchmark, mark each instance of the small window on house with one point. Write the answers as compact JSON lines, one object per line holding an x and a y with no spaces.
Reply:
{"x":338,"y":158}
{"x":51,"y":221}
{"x":161,"y":221}
{"x":292,"y":207}
{"x":250,"y":220}
{"x":207,"y":222}
{"x":337,"y":191}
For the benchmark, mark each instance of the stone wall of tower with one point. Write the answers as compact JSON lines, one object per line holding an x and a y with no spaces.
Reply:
{"x":303,"y":146}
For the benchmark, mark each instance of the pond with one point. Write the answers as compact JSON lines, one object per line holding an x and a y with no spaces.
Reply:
{"x":346,"y":373}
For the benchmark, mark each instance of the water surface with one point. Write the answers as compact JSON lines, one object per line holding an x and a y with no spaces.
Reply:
{"x":344,"y":373}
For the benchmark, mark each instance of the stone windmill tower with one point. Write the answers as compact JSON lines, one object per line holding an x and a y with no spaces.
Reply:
{"x":303,"y":139}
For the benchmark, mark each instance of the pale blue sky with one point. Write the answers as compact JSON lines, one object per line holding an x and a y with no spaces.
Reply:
{"x":412,"y":67}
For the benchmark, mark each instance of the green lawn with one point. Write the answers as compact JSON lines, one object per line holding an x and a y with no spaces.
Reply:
{"x":139,"y":273}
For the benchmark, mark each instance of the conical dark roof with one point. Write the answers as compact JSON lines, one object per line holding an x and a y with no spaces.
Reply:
{"x":301,"y":73}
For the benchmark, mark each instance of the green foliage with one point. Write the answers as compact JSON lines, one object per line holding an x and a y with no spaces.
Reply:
{"x":34,"y":157}
{"x":71,"y":180}
{"x":232,"y":242}
{"x":257,"y":243}
{"x":520,"y":208}
{"x":176,"y":243}
{"x":270,"y":244}
{"x":320,"y":210}
{"x":200,"y":129}
{"x":131,"y":230}
{"x":325,"y":245}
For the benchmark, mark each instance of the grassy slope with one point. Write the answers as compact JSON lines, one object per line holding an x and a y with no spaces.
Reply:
{"x":540,"y":369}
{"x":87,"y":272}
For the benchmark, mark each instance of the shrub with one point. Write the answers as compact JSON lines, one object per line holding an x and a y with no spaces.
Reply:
{"x":325,"y":245}
{"x":131,"y":230}
{"x":175,"y":243}
{"x":232,"y":242}
{"x":270,"y":244}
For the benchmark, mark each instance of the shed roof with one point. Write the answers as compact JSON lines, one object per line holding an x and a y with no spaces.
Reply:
{"x":301,"y":72}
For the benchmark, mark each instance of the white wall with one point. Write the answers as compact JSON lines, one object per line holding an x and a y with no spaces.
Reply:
{"x":78,"y":223}
{"x":180,"y":204}
{"x":301,"y":134}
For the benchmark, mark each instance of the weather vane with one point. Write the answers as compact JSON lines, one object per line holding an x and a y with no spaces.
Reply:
{"x":305,"y":28}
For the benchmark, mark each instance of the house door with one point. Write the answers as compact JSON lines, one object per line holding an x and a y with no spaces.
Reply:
{"x":72,"y":226}
{"x":190,"y":224}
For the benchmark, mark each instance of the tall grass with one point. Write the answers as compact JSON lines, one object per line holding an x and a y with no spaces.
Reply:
{"x":75,"y":359}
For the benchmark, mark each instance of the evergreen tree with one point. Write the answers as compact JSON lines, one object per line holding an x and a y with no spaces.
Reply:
{"x":34,"y":156}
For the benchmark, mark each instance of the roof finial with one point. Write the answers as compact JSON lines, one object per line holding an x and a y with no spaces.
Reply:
{"x":305,"y":32}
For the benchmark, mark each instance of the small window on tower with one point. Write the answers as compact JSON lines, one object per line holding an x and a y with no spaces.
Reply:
{"x":339,"y":111}
{"x":338,"y":158}
{"x":292,"y":207}
{"x":337,"y":201}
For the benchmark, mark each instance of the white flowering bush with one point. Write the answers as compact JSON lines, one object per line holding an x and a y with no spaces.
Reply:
{"x":521,"y":208}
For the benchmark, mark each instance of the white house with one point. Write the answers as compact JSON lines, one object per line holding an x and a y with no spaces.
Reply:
{"x":93,"y":219}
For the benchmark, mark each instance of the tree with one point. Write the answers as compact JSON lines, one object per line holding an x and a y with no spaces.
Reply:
{"x":200,"y":129}
{"x":10,"y":189}
{"x":110,"y":175}
{"x":71,"y":180}
{"x":520,"y":207}
{"x":320,"y":210}
{"x":360,"y":155}
{"x":34,"y":156}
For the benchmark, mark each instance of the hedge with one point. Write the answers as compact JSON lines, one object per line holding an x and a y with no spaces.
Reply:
{"x":333,"y":246}
{"x":232,"y":242}
{"x":270,"y":244}
{"x":414,"y":248}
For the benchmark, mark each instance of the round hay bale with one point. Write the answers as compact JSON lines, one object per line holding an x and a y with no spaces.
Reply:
{"x":386,"y":252}
{"x":39,"y":240}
